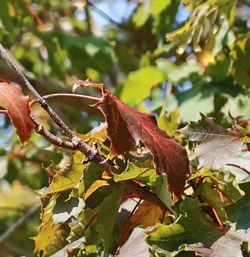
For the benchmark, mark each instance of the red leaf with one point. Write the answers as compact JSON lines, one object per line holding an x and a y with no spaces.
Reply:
{"x":127,"y":127}
{"x":12,"y":99}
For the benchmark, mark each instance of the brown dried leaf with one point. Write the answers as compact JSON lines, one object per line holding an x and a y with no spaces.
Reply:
{"x":12,"y":99}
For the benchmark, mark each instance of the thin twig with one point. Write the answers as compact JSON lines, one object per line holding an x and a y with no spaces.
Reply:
{"x":34,"y":14}
{"x":4,"y":112}
{"x":31,"y":212}
{"x":10,"y":60}
{"x":239,"y":167}
{"x":88,"y":19}
{"x":87,"y":97}
{"x":15,"y":209}
{"x":103,"y":14}
{"x":53,"y":139}
{"x":142,"y":192}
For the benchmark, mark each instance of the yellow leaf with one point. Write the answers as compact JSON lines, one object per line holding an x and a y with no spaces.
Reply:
{"x":147,"y":214}
{"x":97,"y":184}
{"x":50,"y":237}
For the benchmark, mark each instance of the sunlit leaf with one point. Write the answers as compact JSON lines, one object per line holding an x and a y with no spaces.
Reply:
{"x":132,"y":171}
{"x":141,"y":82}
{"x":97,"y":184}
{"x":55,"y":234}
{"x":217,"y":146}
{"x":147,"y":215}
{"x":192,"y":226}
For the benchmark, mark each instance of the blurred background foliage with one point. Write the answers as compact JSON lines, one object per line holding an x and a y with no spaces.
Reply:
{"x":169,"y":57}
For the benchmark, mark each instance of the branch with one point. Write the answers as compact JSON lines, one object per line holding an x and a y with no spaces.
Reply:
{"x":77,"y":143}
{"x":53,"y":139}
{"x":10,"y":60}
{"x":19,"y":222}
{"x":239,"y":167}
{"x":103,"y":14}
{"x":92,"y":98}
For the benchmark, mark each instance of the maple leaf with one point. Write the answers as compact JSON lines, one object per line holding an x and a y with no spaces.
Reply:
{"x":147,"y":215}
{"x":217,"y":146}
{"x":127,"y":127}
{"x":17,"y":104}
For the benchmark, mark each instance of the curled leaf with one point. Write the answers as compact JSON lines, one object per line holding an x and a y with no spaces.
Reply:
{"x":127,"y":127}
{"x":12,"y":98}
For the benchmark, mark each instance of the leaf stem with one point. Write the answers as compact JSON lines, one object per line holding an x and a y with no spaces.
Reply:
{"x":87,"y":97}
{"x":4,"y":112}
{"x":239,"y":167}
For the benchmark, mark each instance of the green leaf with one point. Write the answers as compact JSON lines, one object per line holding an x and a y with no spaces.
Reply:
{"x":69,"y":179}
{"x":158,"y":6}
{"x":241,"y":61}
{"x":57,"y":58}
{"x":198,"y":27}
{"x":169,"y":121}
{"x":4,"y":15}
{"x":191,"y":227}
{"x":132,"y":171}
{"x":175,"y":73}
{"x":217,"y":146}
{"x":160,"y":188}
{"x":141,"y":82}
{"x":142,"y":13}
{"x":228,"y":245}
{"x":108,"y":210}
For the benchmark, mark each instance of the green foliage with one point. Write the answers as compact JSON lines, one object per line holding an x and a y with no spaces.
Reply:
{"x":176,"y":188}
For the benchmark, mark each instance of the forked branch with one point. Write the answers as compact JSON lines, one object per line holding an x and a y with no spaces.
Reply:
{"x":77,"y":143}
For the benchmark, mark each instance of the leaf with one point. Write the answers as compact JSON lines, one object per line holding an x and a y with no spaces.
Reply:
{"x":140,"y":82}
{"x":158,"y":6}
{"x":16,"y":196}
{"x":57,"y":58}
{"x":67,"y":209}
{"x":175,"y":73}
{"x":132,"y":171}
{"x":241,"y":61}
{"x":73,"y":245}
{"x":97,"y":184}
{"x":196,"y":29}
{"x":217,"y":146}
{"x":135,"y":245}
{"x":127,"y":127}
{"x":142,"y":13}
{"x":228,"y":245}
{"x":108,"y":210}
{"x":147,"y":215}
{"x":4,"y":15}
{"x":50,"y":237}
{"x":17,"y":104}
{"x":191,"y":227}
{"x":69,"y":179}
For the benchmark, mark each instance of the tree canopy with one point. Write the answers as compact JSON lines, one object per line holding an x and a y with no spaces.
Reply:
{"x":124,"y":128}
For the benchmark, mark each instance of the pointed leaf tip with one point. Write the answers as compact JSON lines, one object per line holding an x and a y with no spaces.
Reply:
{"x":127,"y":127}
